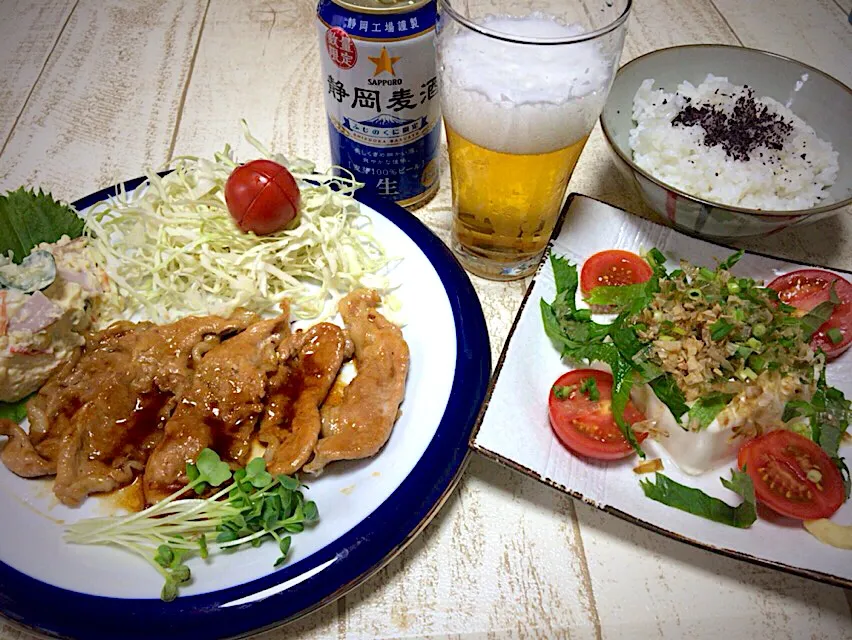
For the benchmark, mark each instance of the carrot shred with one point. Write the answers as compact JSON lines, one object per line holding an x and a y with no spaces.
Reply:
{"x":4,"y":318}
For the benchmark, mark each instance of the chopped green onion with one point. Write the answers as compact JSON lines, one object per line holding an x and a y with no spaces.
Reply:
{"x":731,"y":260}
{"x":695,"y":294}
{"x":757,"y":362}
{"x":720,"y":329}
{"x":733,"y":286}
{"x":746,"y":373}
{"x":758,"y":330}
{"x":743,"y":352}
{"x":563,"y":392}
{"x":787,"y":343}
{"x":590,"y":388}
{"x":656,"y":256}
{"x":680,"y":331}
{"x":739,"y":315}
{"x":706,"y":274}
{"x":754,"y":343}
{"x":835,"y":335}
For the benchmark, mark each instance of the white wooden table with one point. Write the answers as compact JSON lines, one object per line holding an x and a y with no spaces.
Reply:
{"x":95,"y":91}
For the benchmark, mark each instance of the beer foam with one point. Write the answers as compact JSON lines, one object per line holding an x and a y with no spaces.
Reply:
{"x":522,"y":98}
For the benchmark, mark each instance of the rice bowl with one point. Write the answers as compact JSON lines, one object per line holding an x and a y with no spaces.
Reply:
{"x":719,"y":141}
{"x":822,"y":102}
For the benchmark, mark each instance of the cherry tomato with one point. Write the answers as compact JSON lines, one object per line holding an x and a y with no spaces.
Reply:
{"x":584,"y":425}
{"x":262,"y":196}
{"x":792,"y":475}
{"x":805,"y":289}
{"x":613,"y":268}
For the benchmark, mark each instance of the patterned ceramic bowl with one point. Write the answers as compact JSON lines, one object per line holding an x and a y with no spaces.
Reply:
{"x":823,"y":102}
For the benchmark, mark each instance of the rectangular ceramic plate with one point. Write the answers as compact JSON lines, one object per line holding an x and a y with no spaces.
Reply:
{"x":514,"y":428}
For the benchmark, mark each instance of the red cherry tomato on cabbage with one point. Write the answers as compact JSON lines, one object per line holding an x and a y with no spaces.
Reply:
{"x":613,"y":267}
{"x":586,"y":426}
{"x":262,"y":196}
{"x":792,"y":475}
{"x":805,"y":289}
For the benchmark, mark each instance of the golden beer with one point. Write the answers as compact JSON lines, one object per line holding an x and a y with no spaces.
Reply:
{"x":517,"y":115}
{"x":505,"y":204}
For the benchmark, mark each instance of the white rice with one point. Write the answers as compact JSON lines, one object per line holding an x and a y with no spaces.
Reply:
{"x":795,"y":177}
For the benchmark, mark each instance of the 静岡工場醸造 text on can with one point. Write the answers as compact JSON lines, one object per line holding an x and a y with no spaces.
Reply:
{"x":381,"y":94}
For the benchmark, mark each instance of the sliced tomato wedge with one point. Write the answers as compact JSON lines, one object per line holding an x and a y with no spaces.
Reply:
{"x":584,"y":425}
{"x":792,"y":475}
{"x":613,"y":267}
{"x":805,"y":289}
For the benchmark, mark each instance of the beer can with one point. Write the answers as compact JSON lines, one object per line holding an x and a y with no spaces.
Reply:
{"x":381,"y":93}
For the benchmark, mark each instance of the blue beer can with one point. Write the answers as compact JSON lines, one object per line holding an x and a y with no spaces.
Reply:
{"x":381,"y":94}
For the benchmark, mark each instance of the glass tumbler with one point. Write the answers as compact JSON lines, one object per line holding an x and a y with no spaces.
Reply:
{"x":522,"y":85}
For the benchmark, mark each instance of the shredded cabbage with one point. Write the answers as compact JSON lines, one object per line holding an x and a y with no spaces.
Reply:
{"x":171,"y":249}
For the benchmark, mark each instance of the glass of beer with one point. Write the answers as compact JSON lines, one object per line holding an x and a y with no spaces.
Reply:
{"x":522,"y":84}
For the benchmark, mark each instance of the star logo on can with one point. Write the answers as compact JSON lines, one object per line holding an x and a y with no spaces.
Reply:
{"x":341,"y":48}
{"x":384,"y":62}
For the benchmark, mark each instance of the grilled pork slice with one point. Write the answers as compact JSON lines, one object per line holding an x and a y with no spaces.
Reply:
{"x":63,"y":405}
{"x":95,"y":422}
{"x":220,"y":407}
{"x":291,"y":423}
{"x":118,"y":429}
{"x":51,"y":412}
{"x":19,"y":455}
{"x":361,"y":424}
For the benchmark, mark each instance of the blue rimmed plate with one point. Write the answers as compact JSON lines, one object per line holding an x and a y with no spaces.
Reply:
{"x":369,"y":510}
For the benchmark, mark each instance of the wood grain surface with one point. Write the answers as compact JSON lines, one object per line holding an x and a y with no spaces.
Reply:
{"x":105,"y":106}
{"x":29,"y":32}
{"x":807,"y":31}
{"x":96,"y":91}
